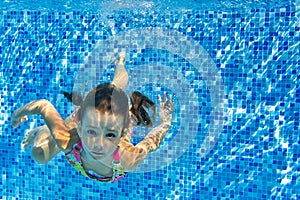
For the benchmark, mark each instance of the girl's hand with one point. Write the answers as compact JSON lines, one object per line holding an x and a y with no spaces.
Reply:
{"x":31,"y":108}
{"x":56,"y":125}
{"x":16,"y":121}
{"x":166,"y":109}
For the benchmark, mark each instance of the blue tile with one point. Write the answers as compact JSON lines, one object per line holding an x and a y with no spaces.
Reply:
{"x":252,"y":154}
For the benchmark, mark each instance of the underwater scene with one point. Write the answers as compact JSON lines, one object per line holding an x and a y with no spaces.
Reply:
{"x":231,"y":68}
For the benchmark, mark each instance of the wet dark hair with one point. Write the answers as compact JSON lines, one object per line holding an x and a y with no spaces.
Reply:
{"x":139,"y":104}
{"x":74,"y":97}
{"x":109,"y":98}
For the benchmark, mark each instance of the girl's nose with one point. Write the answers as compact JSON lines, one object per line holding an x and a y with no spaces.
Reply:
{"x":98,"y":148}
{"x":99,"y":143}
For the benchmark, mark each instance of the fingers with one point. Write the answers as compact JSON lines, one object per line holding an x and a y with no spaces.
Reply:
{"x":166,"y":100}
{"x":120,"y":59}
{"x":24,"y":118}
{"x":159,"y":99}
{"x":170,"y":98}
{"x":162,"y":102}
{"x":122,"y":54}
{"x":25,"y":143}
{"x":16,"y":122}
{"x":165,"y":97}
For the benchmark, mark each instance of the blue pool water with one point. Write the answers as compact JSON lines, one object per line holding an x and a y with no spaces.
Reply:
{"x":232,"y":68}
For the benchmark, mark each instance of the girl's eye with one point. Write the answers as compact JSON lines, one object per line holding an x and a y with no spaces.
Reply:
{"x":110,"y":135}
{"x":91,"y":132}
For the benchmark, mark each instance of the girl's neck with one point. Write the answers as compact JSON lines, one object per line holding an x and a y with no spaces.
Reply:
{"x":101,"y":167}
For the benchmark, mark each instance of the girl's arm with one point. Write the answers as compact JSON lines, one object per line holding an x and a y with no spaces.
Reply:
{"x":58,"y":129}
{"x":131,"y":155}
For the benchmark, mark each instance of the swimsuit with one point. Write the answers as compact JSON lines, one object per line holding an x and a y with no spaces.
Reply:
{"x":74,"y":159}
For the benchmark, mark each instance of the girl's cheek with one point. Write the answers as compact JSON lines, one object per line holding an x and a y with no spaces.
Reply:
{"x":116,"y":141}
{"x":88,"y":140}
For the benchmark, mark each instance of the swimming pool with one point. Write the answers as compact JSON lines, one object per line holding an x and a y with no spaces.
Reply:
{"x":232,"y":68}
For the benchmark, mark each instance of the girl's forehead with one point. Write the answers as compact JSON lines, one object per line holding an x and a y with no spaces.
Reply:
{"x":96,"y":118}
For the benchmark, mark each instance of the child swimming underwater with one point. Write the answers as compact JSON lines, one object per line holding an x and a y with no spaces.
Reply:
{"x":96,"y":139}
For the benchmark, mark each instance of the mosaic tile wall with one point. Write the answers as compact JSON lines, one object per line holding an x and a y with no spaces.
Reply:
{"x":234,"y":77}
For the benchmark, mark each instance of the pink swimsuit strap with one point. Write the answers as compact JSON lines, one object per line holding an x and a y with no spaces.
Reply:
{"x":118,"y":170}
{"x":117,"y":155}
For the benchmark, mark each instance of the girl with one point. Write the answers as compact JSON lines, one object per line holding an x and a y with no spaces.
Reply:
{"x":96,"y":139}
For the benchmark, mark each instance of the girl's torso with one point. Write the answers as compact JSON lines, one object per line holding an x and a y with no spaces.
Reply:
{"x":105,"y":172}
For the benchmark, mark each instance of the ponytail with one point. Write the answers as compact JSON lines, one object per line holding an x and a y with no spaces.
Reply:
{"x":74,"y":98}
{"x":140,"y":104}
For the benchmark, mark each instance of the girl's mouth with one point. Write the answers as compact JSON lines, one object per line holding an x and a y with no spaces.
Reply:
{"x":97,"y":153}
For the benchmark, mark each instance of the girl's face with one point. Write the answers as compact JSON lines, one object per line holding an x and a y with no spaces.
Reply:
{"x":100,"y":133}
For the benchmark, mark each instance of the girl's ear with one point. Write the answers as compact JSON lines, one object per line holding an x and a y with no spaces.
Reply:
{"x":79,"y":129}
{"x":76,"y":118}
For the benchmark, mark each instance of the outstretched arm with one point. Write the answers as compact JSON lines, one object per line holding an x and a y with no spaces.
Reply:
{"x":152,"y":141}
{"x":58,"y":129}
{"x":132,"y":155}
